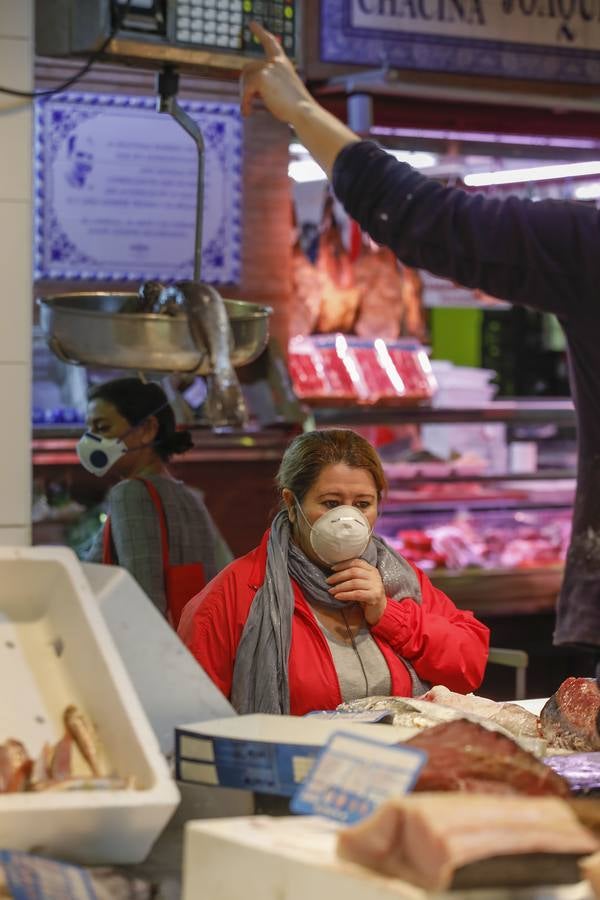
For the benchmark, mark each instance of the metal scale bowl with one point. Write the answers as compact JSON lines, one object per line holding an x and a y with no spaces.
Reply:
{"x":104,"y":329}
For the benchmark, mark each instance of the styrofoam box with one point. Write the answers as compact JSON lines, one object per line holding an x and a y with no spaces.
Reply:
{"x":280,"y":858}
{"x":178,"y":690}
{"x":294,"y":859}
{"x":259,"y":752}
{"x":55,"y":650}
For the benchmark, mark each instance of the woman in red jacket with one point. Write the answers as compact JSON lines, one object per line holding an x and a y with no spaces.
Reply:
{"x":323,"y":611}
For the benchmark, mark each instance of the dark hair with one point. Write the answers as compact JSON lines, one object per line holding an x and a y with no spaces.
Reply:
{"x":136,"y":401}
{"x":309,"y":453}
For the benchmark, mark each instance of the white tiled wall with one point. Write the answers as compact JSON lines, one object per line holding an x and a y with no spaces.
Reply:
{"x":16,"y":70}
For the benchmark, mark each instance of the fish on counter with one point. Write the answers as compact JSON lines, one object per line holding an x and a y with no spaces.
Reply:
{"x":511,"y":716}
{"x":82,"y":731}
{"x":409,"y":712}
{"x":438,"y":841}
{"x":419,"y":713}
{"x":570,"y":720}
{"x":53,"y":770}
{"x":15,"y":767}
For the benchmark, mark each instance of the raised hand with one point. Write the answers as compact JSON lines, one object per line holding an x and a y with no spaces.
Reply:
{"x":356,"y":581}
{"x":273,"y":79}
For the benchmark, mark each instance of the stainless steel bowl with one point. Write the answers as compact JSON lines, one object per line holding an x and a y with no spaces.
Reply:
{"x":103,"y":329}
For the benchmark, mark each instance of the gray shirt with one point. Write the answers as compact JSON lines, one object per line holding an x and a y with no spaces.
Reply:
{"x":355,"y":684}
{"x":135,"y":530}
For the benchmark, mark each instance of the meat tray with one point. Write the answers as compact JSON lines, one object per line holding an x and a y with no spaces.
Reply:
{"x":295,"y":858}
{"x":55,"y":650}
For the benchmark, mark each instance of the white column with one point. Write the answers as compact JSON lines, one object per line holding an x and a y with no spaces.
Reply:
{"x":16,"y":234}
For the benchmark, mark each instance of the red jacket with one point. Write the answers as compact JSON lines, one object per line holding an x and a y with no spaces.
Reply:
{"x":445,"y":645}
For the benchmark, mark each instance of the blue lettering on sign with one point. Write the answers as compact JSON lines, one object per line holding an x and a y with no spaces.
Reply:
{"x":549,"y":40}
{"x":469,"y":11}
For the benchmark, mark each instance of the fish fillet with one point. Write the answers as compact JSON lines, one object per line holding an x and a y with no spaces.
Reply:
{"x":426,"y":838}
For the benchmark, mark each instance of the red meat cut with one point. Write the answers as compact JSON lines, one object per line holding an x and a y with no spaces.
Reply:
{"x":465,"y":756}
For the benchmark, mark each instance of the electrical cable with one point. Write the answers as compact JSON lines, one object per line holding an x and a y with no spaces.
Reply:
{"x":93,"y":58}
{"x":355,"y":648}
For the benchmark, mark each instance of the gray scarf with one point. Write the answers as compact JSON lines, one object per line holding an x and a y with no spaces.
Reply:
{"x":260,"y":674}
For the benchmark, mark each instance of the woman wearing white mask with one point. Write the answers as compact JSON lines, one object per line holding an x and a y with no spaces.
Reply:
{"x":158,"y":528}
{"x":323,"y":611}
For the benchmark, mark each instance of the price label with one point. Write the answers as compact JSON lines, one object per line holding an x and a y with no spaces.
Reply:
{"x":352,"y":776}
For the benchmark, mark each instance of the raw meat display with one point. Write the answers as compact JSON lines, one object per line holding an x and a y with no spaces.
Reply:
{"x":340,"y":294}
{"x":461,"y":543}
{"x":413,"y":322}
{"x":581,"y":770}
{"x":57,"y":768}
{"x":413,"y":367}
{"x":306,"y":370}
{"x":380,"y":285}
{"x":427,"y":839}
{"x":571,"y":717}
{"x":319,"y":372}
{"x":307,"y":289}
{"x":465,"y":756}
{"x":336,"y":368}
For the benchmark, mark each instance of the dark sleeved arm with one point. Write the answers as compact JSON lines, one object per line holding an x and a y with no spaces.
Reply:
{"x":136,"y":537}
{"x":541,"y":254}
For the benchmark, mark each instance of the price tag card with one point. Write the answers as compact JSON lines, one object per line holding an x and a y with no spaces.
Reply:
{"x":364,"y":716}
{"x":352,"y":776}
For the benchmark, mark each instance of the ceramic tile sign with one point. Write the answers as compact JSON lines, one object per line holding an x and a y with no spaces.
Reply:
{"x":545,"y":40}
{"x":115,"y":190}
{"x":353,"y":775}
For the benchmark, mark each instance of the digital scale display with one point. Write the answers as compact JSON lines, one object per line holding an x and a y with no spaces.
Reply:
{"x":223,"y":24}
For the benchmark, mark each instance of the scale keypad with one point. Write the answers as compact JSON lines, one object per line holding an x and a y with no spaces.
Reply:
{"x":223,"y":24}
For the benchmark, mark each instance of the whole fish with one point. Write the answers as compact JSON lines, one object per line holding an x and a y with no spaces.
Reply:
{"x":417,"y":714}
{"x":148,"y":295}
{"x":209,"y":326}
{"x":15,"y":767}
{"x":83,"y":733}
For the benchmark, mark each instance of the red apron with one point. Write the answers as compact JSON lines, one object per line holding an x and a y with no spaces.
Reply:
{"x":181,"y":582}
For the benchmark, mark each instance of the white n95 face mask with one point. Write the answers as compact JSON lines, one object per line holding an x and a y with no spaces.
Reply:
{"x":98,"y":454}
{"x":341,"y":533}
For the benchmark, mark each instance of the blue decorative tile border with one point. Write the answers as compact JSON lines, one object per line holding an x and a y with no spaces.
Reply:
{"x":563,"y":58}
{"x":115,"y":190}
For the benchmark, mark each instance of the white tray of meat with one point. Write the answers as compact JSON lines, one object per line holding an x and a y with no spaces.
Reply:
{"x":81,"y":774}
{"x":516,"y":847}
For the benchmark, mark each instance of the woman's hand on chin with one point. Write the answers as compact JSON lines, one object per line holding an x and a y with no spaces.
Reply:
{"x":356,"y":581}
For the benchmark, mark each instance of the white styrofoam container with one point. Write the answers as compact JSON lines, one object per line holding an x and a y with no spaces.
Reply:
{"x":279,"y":858}
{"x":294,"y":859}
{"x":55,"y":650}
{"x":175,"y":690}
